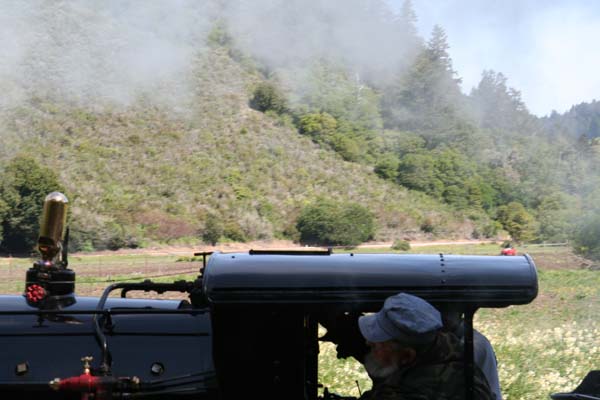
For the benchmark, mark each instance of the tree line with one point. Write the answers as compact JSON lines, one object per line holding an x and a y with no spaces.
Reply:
{"x":482,"y":153}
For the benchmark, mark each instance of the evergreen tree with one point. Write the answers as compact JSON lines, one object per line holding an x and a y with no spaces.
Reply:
{"x":499,"y":107}
{"x":417,"y":171}
{"x":408,"y":19}
{"x":437,"y":49}
{"x":332,"y":89}
{"x":427,"y":98}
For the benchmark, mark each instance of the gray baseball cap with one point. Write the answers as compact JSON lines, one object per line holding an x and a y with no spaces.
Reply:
{"x":404,"y":317}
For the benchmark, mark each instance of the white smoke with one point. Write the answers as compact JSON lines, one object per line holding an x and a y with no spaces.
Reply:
{"x":100,"y":51}
{"x":364,"y":35}
{"x":116,"y":51}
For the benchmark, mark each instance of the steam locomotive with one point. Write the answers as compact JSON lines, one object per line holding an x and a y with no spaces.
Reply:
{"x":248,"y":329}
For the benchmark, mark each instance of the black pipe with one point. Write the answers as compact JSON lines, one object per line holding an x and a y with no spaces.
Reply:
{"x":179,"y":286}
{"x":469,"y":355}
{"x":105,"y":366}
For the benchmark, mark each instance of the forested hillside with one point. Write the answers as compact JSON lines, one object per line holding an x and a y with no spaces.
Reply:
{"x":257,"y":133}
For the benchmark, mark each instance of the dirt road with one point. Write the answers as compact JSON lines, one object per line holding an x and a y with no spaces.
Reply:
{"x":424,"y":244}
{"x":261,"y":245}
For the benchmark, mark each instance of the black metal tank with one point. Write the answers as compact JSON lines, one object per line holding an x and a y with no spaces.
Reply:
{"x":366,"y":280}
{"x":157,"y":341}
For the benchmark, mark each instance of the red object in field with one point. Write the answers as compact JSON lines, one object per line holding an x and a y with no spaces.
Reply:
{"x":509,"y":251}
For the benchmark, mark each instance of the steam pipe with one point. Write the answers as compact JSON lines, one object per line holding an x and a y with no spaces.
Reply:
{"x":469,"y":355}
{"x":181,"y":286}
{"x":99,"y":335}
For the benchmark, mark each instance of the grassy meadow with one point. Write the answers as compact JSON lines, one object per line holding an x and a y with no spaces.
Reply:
{"x":543,"y":347}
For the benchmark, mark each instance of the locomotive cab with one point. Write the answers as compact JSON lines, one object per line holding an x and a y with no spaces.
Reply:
{"x":266,"y":307}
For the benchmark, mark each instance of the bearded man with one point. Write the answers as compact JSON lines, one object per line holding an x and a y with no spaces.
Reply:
{"x":410,"y":358}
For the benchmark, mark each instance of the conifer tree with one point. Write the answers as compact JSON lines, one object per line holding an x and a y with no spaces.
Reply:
{"x":437,"y":49}
{"x":408,"y":18}
{"x":500,"y":107}
{"x":427,"y":99}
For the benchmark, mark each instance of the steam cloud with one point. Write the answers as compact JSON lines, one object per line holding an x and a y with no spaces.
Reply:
{"x":115,"y":51}
{"x":98,"y":51}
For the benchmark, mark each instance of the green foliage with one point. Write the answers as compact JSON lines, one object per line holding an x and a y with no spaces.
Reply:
{"x":3,"y":211}
{"x":120,"y":237}
{"x":418,"y":172}
{"x":23,"y":186}
{"x":427,"y":226}
{"x":517,"y":221}
{"x":330,"y":88}
{"x":318,"y":125}
{"x":325,"y":129}
{"x":267,"y":97}
{"x":402,"y":143}
{"x":233,"y":231}
{"x":586,"y":239}
{"x":387,"y":167}
{"x":401,"y":245}
{"x":468,"y":155}
{"x":342,"y":137}
{"x":427,"y":98}
{"x":326,"y":222}
{"x":557,"y":217}
{"x":213,"y":230}
{"x":219,"y":36}
{"x":499,"y":107}
{"x":490,"y":230}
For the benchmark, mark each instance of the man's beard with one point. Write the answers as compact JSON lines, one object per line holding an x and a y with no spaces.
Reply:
{"x":376,"y":370}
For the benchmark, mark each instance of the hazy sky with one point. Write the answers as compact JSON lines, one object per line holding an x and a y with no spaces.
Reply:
{"x":548,"y":49}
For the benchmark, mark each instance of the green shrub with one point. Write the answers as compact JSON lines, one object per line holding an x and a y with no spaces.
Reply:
{"x":387,"y":167}
{"x":402,"y":245}
{"x":213,"y":230}
{"x":517,"y":221}
{"x":119,"y":237}
{"x":188,"y":259}
{"x":233,"y":231}
{"x":326,"y":222}
{"x":586,"y":240}
{"x":267,"y":97}
{"x":491,"y":229}
{"x":427,"y":225}
{"x":321,"y":127}
{"x":218,"y":36}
